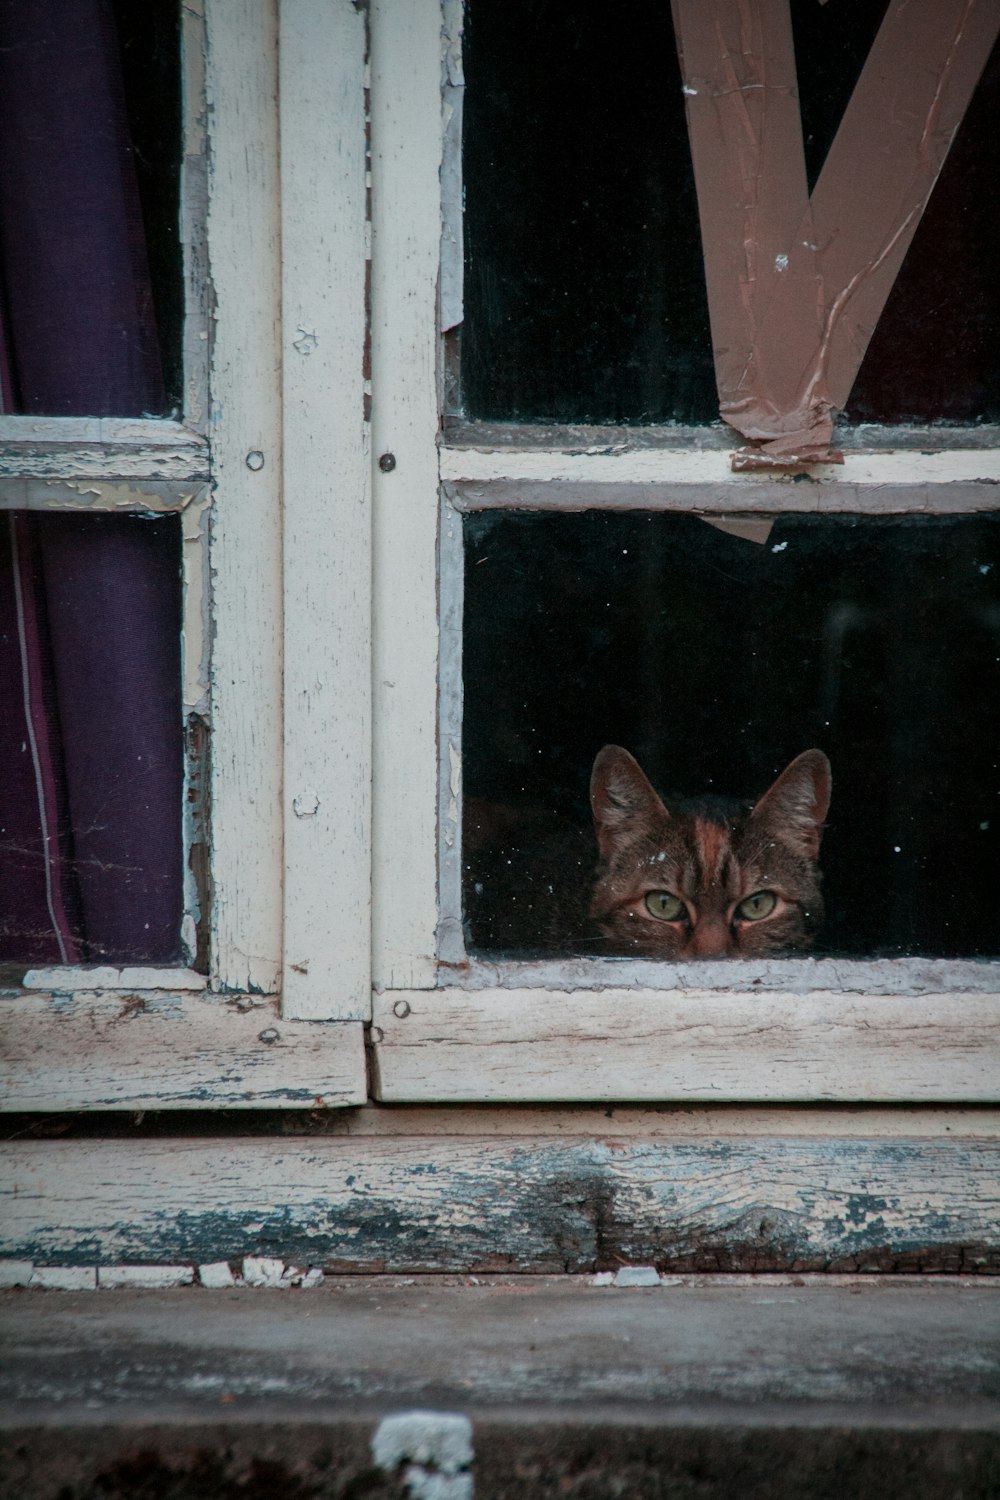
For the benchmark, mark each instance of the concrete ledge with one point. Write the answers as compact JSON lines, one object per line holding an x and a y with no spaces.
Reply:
{"x":705,"y":1388}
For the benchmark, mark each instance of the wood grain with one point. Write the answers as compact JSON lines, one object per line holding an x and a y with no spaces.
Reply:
{"x":245,"y":543}
{"x":406,"y":130}
{"x":327,"y":513}
{"x":527,"y":1205}
{"x":521,"y":1045}
{"x":154,"y":1050}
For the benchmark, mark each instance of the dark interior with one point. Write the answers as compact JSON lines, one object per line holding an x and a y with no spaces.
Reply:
{"x":584,"y":290}
{"x":149,"y":39}
{"x":716,"y":660}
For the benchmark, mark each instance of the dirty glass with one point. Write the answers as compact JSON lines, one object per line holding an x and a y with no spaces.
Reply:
{"x":584,"y":285}
{"x":91,"y":747}
{"x":91,"y":279}
{"x":715,"y":659}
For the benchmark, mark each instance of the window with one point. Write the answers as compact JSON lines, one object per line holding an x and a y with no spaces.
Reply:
{"x":348,"y":440}
{"x":536,"y":568}
{"x":210,"y":1021}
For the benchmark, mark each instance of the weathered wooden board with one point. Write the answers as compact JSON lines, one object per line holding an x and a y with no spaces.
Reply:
{"x":244,"y":243}
{"x":327,"y":513}
{"x":625,"y":462}
{"x":150,"y":1050}
{"x":462,"y":1204}
{"x":101,"y":448}
{"x":406,"y":133}
{"x":450,"y":1046}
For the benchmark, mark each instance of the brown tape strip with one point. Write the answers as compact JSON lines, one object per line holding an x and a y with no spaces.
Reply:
{"x":796,"y":286}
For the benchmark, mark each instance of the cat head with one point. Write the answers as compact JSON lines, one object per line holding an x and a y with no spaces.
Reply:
{"x":708,"y":878}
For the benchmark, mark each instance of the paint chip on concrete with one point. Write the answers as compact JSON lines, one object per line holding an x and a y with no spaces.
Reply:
{"x":436,"y":1447}
{"x":263,"y":1270}
{"x":216,"y":1275}
{"x":65,"y":1278}
{"x":603,"y":1278}
{"x":313,"y":1277}
{"x":15,"y":1272}
{"x":637,"y":1276}
{"x":154,"y":1277}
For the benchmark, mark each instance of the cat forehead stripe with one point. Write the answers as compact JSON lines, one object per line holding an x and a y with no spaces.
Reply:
{"x":713,"y":847}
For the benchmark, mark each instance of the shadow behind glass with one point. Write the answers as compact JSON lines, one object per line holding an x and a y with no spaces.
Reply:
{"x":715,"y":660}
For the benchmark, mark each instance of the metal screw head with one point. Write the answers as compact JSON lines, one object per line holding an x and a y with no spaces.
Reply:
{"x":269,"y":1035}
{"x":254,"y":460}
{"x":387,"y":462}
{"x":401,"y":1009}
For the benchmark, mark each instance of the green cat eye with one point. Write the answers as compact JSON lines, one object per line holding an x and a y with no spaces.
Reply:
{"x":760,"y":904}
{"x":664,"y":906}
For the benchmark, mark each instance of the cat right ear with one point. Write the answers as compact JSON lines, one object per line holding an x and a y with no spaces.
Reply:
{"x":797,"y":804}
{"x":620,"y":794}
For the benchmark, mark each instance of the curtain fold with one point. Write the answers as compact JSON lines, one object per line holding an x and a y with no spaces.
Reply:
{"x":90,"y":750}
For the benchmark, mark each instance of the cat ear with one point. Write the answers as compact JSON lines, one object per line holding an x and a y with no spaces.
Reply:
{"x":796,"y":805}
{"x":619,"y":795}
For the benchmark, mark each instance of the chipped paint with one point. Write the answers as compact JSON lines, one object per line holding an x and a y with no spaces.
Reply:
{"x":530,"y":1204}
{"x":432,"y":1448}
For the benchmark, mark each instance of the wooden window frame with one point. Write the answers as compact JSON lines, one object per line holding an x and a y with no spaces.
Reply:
{"x":447,"y":1029}
{"x":269,"y":471}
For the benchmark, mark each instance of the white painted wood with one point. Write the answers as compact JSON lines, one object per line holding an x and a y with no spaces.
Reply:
{"x":520,"y":1045}
{"x":62,"y":980}
{"x":196,"y":665}
{"x":64,"y":1279}
{"x":626,"y":464}
{"x":115,"y":1278}
{"x":406,"y":49}
{"x":193,"y":215}
{"x":844,"y":976}
{"x":100,"y":448}
{"x":327,"y":512}
{"x":153,"y":1050}
{"x":245,"y":432}
{"x":544,"y":1204}
{"x":772,"y":497}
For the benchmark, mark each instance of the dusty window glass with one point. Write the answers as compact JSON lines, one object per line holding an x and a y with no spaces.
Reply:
{"x":91,"y":747}
{"x":716,"y":660}
{"x":584,"y":282}
{"x":91,"y":290}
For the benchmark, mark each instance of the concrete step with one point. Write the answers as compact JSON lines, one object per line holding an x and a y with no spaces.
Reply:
{"x":702,"y":1387}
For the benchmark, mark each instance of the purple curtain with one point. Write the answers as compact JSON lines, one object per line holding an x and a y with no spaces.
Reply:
{"x":90,"y":733}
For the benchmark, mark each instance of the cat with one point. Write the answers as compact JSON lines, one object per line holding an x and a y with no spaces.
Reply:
{"x":708,"y":877}
{"x":677,"y":879}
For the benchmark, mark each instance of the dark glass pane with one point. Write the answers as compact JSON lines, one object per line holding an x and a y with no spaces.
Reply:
{"x":91,"y":757}
{"x":715,"y":660}
{"x":90,"y":260}
{"x":584,"y":294}
{"x":149,"y":38}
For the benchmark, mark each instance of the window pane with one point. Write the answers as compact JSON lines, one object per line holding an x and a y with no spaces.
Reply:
{"x":584,"y":289}
{"x":717,"y":660}
{"x":91,"y":760}
{"x":90,"y":265}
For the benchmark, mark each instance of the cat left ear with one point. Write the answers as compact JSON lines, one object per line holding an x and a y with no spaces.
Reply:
{"x":620,"y":793}
{"x":797,"y":804}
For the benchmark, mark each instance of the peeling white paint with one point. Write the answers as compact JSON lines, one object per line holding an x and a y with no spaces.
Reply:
{"x":637,"y":1276}
{"x":217,"y":1274}
{"x":150,"y":1277}
{"x":263,"y":1270}
{"x":64,"y":979}
{"x":64,"y":1278}
{"x":436,"y":1448}
{"x":15,"y":1272}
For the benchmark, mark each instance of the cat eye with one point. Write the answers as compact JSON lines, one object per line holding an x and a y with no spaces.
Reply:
{"x":665,"y":907}
{"x":760,"y":904}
